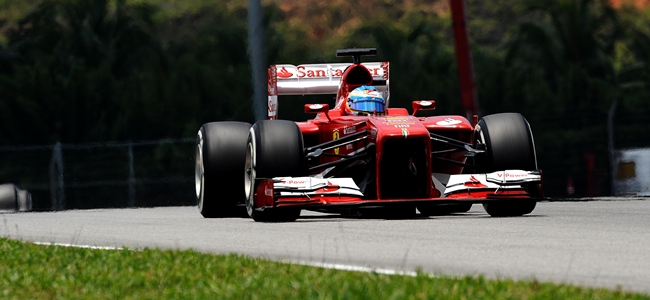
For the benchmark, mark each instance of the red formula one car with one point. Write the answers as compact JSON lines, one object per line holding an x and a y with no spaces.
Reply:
{"x":362,"y":155}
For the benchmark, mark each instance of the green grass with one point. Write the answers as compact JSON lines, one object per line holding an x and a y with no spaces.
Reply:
{"x":29,"y":271}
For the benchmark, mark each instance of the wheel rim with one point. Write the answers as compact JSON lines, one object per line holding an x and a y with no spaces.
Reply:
{"x":249,"y":174}
{"x":199,"y":171}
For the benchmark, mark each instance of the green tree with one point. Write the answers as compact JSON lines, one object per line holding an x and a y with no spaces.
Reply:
{"x":633,"y":70}
{"x":78,"y":70}
{"x":67,"y":58}
{"x":420,"y":64}
{"x":560,"y":73}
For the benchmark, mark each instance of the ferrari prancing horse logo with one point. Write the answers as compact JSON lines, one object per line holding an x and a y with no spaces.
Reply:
{"x":336,"y":136}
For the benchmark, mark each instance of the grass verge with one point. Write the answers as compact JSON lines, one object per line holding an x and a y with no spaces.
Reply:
{"x":29,"y":271}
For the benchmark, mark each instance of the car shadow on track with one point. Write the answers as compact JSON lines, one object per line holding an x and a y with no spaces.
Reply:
{"x":323,"y":217}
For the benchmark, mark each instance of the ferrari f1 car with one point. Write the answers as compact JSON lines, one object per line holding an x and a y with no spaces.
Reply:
{"x":363,"y":154}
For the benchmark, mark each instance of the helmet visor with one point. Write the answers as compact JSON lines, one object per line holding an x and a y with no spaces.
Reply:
{"x":368,"y":105}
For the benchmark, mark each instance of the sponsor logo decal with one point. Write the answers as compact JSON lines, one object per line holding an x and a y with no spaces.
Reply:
{"x":272,"y":82}
{"x":474,"y":183}
{"x":336,"y":136}
{"x":314,"y":73}
{"x":402,"y":126}
{"x":315,"y":106}
{"x":283,"y":73}
{"x":295,"y":182}
{"x":328,"y":189}
{"x":273,"y":107}
{"x":397,"y":121}
{"x":268,"y":191}
{"x":513,"y":175}
{"x":425,"y":103}
{"x":349,"y":129}
{"x":405,"y":132}
{"x":449,"y":121}
{"x":304,"y":72}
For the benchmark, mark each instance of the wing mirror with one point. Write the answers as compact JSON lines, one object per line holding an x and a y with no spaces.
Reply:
{"x":318,"y":108}
{"x":423,"y":105}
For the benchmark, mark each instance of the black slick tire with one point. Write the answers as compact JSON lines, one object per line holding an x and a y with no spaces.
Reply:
{"x":509,"y":146}
{"x":275,"y":149}
{"x":220,"y":156}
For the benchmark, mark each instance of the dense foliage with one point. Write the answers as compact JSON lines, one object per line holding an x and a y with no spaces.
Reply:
{"x":94,"y":70}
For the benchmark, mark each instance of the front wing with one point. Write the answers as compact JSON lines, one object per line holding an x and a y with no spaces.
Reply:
{"x":314,"y":192}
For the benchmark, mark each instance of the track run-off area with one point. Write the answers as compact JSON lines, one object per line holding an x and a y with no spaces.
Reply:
{"x":601,"y":243}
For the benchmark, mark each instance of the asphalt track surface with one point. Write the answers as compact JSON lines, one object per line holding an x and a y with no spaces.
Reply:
{"x":592,"y":243}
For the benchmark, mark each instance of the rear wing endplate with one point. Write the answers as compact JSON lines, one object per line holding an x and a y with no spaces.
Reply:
{"x":314,"y":79}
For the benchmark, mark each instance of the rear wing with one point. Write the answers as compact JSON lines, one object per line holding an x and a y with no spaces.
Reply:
{"x":315,"y":79}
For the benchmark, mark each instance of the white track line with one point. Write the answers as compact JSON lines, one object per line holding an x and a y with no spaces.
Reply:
{"x":78,"y":246}
{"x":353,"y":268}
{"x":341,"y":267}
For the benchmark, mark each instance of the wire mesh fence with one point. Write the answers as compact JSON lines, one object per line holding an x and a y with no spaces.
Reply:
{"x":99,"y":175}
{"x":594,"y":160}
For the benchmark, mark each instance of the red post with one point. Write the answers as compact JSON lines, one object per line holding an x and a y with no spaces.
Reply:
{"x":463,"y":59}
{"x":570,"y":188}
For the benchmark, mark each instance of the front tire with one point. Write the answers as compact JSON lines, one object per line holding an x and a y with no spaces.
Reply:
{"x":220,"y":155}
{"x":275,"y":149}
{"x":509,"y":146}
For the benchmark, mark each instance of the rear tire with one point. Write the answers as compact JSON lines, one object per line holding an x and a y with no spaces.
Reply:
{"x":509,"y":146}
{"x":275,"y":149}
{"x":8,"y":198}
{"x":220,"y":155}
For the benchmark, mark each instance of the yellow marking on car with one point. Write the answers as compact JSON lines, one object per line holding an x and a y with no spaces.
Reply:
{"x":336,"y":136}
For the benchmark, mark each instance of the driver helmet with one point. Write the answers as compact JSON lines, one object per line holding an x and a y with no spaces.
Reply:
{"x":365,"y":100}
